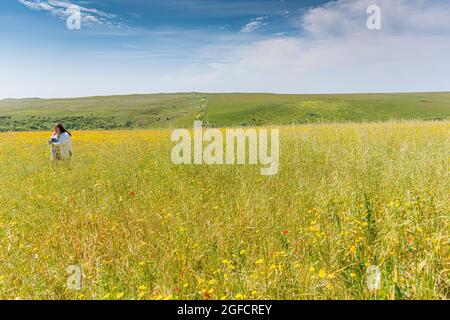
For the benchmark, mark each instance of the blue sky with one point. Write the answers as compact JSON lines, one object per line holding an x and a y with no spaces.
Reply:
{"x":291,"y":46}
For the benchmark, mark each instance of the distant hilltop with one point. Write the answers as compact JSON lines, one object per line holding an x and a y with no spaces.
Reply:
{"x":178,"y":110}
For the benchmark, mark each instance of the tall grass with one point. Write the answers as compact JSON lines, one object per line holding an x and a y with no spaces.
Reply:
{"x":348,"y":196}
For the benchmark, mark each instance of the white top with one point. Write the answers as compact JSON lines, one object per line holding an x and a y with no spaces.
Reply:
{"x":64,"y":143}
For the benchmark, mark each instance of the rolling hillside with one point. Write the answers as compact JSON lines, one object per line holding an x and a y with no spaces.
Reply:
{"x":180,"y":110}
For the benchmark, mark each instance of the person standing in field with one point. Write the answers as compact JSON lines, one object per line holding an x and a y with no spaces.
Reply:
{"x":61,"y":144}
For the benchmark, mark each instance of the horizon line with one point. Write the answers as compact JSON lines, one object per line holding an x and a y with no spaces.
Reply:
{"x":229,"y":93}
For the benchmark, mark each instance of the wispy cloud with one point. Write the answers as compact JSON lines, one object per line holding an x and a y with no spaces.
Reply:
{"x":338,"y":53}
{"x":401,"y":17}
{"x":62,"y":10}
{"x":255,"y":24}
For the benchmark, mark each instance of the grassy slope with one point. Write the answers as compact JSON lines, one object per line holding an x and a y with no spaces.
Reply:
{"x":175,"y":110}
{"x":259,"y":109}
{"x":141,"y":111}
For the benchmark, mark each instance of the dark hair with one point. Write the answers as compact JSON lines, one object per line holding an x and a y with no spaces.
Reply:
{"x":61,"y":127}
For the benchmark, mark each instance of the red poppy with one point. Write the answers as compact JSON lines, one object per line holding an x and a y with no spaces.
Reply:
{"x":207,"y":295}
{"x":132,"y":193}
{"x":286,"y":232}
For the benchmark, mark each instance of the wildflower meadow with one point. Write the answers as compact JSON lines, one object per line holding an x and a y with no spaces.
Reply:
{"x":347,"y":198}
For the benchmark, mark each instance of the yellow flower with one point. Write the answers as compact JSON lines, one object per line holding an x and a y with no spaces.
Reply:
{"x":312,"y":269}
{"x":322,"y":273}
{"x":259,"y":261}
{"x":142,"y":288}
{"x":120,"y":295}
{"x":242,"y":252}
{"x":353,"y":275}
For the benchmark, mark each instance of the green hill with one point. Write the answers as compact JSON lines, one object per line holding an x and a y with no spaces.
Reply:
{"x":240,"y":109}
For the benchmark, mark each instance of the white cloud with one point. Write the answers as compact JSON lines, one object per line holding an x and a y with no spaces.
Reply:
{"x":398,"y":17}
{"x":60,"y":9}
{"x":254,"y":24}
{"x":337,"y":53}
